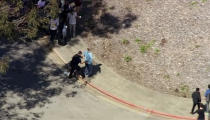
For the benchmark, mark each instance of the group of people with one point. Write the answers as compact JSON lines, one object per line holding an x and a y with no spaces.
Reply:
{"x":77,"y":59}
{"x":64,"y":25}
{"x":197,"y":101}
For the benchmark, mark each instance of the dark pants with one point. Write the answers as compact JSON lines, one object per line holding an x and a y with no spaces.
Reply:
{"x":88,"y":69}
{"x":52,"y":35}
{"x":194,"y":104}
{"x":78,"y":70}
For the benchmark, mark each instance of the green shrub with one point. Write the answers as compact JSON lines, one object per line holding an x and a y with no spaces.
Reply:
{"x":184,"y":89}
{"x":166,"y":76}
{"x":138,"y":40}
{"x":143,"y":48}
{"x":178,"y":74}
{"x":204,"y":1}
{"x":127,"y":58}
{"x":194,"y":3}
{"x":157,"y":51}
{"x":125,"y":41}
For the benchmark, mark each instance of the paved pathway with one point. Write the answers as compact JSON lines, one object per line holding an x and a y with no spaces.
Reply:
{"x":108,"y":80}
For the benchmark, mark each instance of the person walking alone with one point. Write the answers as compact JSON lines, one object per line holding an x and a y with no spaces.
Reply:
{"x":88,"y":62}
{"x":196,"y":99}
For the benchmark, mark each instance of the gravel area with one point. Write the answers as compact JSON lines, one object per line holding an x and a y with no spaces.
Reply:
{"x":174,"y":38}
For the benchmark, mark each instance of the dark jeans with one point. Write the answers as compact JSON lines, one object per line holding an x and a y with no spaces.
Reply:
{"x":78,"y":70}
{"x":52,"y":35}
{"x":194,"y":104}
{"x":88,"y":69}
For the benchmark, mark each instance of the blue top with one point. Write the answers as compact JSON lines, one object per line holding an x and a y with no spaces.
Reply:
{"x":88,"y":57}
{"x":207,"y":92}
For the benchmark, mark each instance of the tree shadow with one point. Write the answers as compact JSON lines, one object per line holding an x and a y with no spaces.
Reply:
{"x":30,"y":81}
{"x":100,"y":22}
{"x":97,"y":20}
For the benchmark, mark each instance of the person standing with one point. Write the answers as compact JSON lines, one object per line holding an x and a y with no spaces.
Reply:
{"x":64,"y":33}
{"x":54,"y":22}
{"x":207,"y":95}
{"x":196,"y":99}
{"x":200,"y":112}
{"x":88,"y":62}
{"x":72,"y":16}
{"x":74,"y":64}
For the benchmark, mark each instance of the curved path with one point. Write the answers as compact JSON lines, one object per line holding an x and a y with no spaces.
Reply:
{"x":113,"y":83}
{"x":76,"y":103}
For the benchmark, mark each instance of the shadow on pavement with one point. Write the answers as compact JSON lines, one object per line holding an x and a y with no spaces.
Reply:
{"x":30,"y":81}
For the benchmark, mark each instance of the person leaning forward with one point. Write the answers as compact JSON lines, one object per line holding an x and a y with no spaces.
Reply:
{"x":196,"y":97}
{"x":74,"y":64}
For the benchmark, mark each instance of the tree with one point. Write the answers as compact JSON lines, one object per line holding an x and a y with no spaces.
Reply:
{"x":24,"y":20}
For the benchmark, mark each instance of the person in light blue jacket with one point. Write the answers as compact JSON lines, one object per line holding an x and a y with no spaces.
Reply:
{"x":88,"y":62}
{"x":207,"y":95}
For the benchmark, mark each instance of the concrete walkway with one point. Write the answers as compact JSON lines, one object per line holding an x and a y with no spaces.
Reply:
{"x":86,"y":104}
{"x":116,"y":85}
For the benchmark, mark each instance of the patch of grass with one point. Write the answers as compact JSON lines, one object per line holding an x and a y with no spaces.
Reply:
{"x":197,"y":46}
{"x":178,"y":74}
{"x":204,"y":1}
{"x":125,"y":41}
{"x":157,"y":51}
{"x":144,"y":48}
{"x":127,"y":58}
{"x":194,"y":3}
{"x":184,"y":89}
{"x":166,"y":76}
{"x":148,"y":0}
{"x":138,"y":40}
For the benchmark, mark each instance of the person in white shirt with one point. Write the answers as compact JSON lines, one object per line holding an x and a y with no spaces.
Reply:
{"x":54,"y":22}
{"x":72,"y":17}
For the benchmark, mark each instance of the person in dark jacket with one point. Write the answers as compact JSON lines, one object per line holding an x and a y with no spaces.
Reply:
{"x":201,"y":112}
{"x":74,"y":64}
{"x":196,"y":99}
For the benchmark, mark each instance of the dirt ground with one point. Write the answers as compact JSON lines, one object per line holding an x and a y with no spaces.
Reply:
{"x":160,"y":44}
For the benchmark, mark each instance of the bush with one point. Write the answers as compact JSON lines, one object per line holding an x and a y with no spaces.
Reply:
{"x":127,"y":58}
{"x":125,"y":42}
